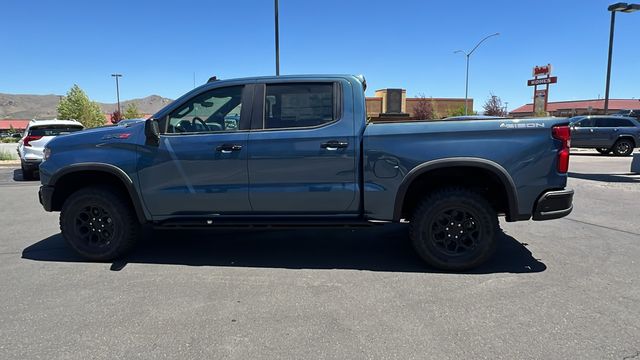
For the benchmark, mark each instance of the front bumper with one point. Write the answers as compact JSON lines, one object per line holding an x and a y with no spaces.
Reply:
{"x":45,"y":195}
{"x":553,"y":205}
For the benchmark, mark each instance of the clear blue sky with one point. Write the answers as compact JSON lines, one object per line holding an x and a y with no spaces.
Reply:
{"x":158,"y":45}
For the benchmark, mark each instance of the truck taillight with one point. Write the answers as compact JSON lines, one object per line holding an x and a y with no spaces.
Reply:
{"x":29,"y":138}
{"x":562,"y":133}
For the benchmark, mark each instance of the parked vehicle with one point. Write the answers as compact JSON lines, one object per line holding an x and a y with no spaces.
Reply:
{"x":629,"y":113}
{"x":474,"y":117}
{"x":37,"y":134}
{"x":127,"y":122}
{"x":302,"y":154}
{"x":606,"y":134}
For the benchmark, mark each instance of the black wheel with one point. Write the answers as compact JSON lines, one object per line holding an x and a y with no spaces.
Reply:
{"x":603,"y":151}
{"x":27,"y":174}
{"x":454,"y":229}
{"x":98,"y":223}
{"x":623,"y":147}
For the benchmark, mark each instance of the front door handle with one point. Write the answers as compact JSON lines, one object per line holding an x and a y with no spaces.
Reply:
{"x":334,"y":145}
{"x":228,"y":148}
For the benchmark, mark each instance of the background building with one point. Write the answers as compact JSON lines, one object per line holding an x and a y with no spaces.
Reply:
{"x":579,"y":107}
{"x":17,"y":125}
{"x":393,"y":104}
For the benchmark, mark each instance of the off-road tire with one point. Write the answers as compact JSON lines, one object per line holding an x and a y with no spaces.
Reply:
{"x":462,"y":213}
{"x":623,"y":147}
{"x":99,"y":223}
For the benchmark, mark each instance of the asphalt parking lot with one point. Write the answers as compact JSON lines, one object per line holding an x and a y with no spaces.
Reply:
{"x":561,"y":289}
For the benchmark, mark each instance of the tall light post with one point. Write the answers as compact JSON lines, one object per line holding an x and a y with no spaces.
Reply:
{"x":277,"y":40}
{"x":117,"y":90}
{"x":622,"y":7}
{"x":468,"y":55}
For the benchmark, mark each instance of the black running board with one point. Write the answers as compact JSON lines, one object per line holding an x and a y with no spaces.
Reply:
{"x":199,"y":223}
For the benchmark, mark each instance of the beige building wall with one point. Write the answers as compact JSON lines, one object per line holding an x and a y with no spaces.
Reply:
{"x":443,"y":106}
{"x":374,"y":106}
{"x":382,"y":94}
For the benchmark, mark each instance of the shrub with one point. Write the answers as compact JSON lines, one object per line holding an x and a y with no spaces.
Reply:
{"x":6,"y":155}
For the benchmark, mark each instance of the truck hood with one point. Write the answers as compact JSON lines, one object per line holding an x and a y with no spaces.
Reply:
{"x":98,"y":136}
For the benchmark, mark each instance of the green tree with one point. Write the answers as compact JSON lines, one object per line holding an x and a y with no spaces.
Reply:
{"x":77,"y":106}
{"x":459,"y":111}
{"x":132,"y":112}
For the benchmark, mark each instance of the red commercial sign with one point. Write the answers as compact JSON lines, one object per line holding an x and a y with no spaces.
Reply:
{"x":548,"y":80}
{"x":544,"y":70}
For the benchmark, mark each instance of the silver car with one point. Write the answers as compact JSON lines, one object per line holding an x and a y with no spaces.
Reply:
{"x":37,"y":134}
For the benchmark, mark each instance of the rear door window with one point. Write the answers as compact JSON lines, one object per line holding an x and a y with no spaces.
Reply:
{"x":613,"y":122}
{"x":299,"y":105}
{"x":621,"y":123}
{"x":53,"y":130}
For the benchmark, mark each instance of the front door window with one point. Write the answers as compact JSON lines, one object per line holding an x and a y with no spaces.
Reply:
{"x":213,"y":111}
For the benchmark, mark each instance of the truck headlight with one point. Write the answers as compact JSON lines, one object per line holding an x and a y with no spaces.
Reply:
{"x":46,"y":154}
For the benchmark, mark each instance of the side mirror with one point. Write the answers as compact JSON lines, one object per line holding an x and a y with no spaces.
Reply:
{"x":152,"y":132}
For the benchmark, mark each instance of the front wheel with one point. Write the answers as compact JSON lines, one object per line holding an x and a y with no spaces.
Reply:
{"x":623,"y":147}
{"x":98,"y":223}
{"x":603,"y":151}
{"x":454,"y":229}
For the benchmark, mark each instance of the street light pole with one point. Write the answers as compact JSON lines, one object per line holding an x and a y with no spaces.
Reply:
{"x":117,"y":90}
{"x":277,"y":40}
{"x":624,"y":7}
{"x":466,"y":81}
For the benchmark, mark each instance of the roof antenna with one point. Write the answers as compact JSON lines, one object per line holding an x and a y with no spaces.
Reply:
{"x":212,"y":79}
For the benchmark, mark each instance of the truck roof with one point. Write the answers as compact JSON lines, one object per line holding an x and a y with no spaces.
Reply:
{"x":288,"y":77}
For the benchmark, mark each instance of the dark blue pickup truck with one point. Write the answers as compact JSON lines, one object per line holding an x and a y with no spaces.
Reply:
{"x":297,"y":151}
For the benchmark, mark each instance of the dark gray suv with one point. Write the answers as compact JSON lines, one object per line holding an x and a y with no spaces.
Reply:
{"x":617,"y":134}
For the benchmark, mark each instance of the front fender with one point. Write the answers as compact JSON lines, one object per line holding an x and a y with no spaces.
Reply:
{"x":94,"y":167}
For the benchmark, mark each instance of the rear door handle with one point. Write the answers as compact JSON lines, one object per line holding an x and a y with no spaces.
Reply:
{"x":334,"y":145}
{"x":228,"y":148}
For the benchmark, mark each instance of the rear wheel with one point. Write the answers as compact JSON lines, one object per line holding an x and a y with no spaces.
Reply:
{"x":98,"y":223}
{"x":623,"y":147}
{"x":454,"y":229}
{"x":27,"y":173}
{"x":603,"y":151}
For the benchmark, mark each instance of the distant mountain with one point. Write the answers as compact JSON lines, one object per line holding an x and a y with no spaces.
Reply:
{"x":18,"y":106}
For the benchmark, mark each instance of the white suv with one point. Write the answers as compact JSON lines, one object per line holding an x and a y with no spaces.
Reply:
{"x":37,"y":134}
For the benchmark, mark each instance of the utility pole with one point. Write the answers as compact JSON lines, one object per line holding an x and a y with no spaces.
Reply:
{"x":118,"y":91}
{"x":466,"y":81}
{"x":277,"y":40}
{"x":622,"y":7}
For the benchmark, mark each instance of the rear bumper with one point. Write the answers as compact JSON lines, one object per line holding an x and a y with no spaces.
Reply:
{"x":31,"y":163}
{"x":45,"y":195}
{"x":553,"y":205}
